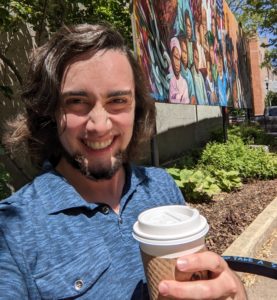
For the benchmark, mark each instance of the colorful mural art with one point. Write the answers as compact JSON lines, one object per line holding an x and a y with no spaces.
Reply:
{"x":190,"y":51}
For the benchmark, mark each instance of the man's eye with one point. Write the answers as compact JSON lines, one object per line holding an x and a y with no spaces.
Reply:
{"x":74,"y":101}
{"x":118,"y":101}
{"x":77,"y":105}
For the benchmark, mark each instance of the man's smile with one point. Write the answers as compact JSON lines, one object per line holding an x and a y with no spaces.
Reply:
{"x":98,"y":145}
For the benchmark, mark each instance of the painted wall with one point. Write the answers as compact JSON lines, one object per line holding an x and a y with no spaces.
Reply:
{"x":192,"y":52}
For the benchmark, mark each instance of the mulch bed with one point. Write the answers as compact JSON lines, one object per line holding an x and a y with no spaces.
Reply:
{"x":230,"y":213}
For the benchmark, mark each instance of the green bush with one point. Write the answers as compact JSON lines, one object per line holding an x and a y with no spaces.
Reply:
{"x":234,"y":155}
{"x":223,"y":166}
{"x":249,"y":133}
{"x":252,"y":134}
{"x":201,"y":184}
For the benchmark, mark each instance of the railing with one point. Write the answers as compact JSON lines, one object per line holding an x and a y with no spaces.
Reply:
{"x":252,"y":265}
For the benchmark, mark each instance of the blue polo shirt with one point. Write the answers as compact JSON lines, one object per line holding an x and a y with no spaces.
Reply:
{"x":55,"y":245}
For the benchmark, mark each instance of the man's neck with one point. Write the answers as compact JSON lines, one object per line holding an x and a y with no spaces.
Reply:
{"x":101,"y":191}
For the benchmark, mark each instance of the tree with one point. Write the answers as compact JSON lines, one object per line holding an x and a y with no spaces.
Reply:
{"x":271,"y":98}
{"x":45,"y":16}
{"x":259,"y":16}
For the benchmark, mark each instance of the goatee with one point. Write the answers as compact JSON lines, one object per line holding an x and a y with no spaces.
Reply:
{"x":99,"y":172}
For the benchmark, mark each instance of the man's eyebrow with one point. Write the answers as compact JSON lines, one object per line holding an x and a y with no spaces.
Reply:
{"x":73,"y":93}
{"x":120,"y":93}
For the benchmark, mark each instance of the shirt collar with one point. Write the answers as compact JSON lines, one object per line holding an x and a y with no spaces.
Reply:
{"x":65,"y":197}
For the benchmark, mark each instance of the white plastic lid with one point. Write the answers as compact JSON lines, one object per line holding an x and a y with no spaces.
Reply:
{"x":167,"y":225}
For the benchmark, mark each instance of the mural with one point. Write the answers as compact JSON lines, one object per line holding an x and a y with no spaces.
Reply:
{"x":189,"y":51}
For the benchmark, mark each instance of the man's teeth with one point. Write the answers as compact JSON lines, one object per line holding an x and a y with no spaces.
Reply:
{"x":99,"y":145}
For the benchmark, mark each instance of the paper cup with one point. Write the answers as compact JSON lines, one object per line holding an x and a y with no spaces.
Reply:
{"x":166,"y":233}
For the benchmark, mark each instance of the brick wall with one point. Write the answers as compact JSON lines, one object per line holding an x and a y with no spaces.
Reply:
{"x":257,"y":75}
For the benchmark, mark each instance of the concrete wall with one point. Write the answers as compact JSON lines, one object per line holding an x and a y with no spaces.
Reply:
{"x":182,"y":127}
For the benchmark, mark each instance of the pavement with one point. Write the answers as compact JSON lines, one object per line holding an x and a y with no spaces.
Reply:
{"x":259,"y":241}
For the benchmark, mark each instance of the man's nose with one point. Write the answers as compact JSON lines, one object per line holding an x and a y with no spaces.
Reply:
{"x":99,"y":120}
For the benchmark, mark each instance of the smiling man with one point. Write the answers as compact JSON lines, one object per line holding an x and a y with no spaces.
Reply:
{"x":68,"y":234}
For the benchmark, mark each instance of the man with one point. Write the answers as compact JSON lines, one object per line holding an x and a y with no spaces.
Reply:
{"x":68,"y":234}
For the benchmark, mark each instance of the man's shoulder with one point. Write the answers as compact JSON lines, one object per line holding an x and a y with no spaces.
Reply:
{"x":32,"y":190}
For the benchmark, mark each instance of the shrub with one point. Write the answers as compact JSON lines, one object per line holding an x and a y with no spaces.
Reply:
{"x":234,"y":155}
{"x":249,"y":133}
{"x":201,"y":184}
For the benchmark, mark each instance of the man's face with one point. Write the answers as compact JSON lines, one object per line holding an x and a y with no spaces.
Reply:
{"x":176,"y":61}
{"x":97,"y":109}
{"x":184,"y":53}
{"x":188,"y":28}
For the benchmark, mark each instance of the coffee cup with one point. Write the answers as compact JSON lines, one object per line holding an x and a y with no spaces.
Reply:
{"x":166,"y":233}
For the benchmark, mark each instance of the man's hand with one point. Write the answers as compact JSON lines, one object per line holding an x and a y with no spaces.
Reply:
{"x":222,"y":283}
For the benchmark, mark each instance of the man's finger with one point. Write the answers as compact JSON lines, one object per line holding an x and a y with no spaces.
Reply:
{"x":202,"y":289}
{"x":208,"y":261}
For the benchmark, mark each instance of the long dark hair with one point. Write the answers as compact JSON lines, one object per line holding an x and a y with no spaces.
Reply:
{"x":36,"y":128}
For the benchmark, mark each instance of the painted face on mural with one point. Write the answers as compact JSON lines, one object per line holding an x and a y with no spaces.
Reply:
{"x":176,"y":61}
{"x":209,"y":70}
{"x":220,"y":65}
{"x":229,"y":60}
{"x":204,"y":20}
{"x":196,"y":58}
{"x":211,"y":48}
{"x":167,"y":10}
{"x":213,"y":27}
{"x":184,"y":53}
{"x":188,"y":27}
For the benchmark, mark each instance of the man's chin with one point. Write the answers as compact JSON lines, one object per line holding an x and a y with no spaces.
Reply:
{"x":98,"y":171}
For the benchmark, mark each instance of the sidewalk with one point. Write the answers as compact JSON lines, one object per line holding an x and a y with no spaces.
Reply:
{"x":259,"y":240}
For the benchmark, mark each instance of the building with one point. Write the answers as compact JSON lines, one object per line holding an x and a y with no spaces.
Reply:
{"x":263,"y":80}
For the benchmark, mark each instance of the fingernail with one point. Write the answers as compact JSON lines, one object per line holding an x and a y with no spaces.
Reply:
{"x":182,"y":264}
{"x":163,"y":288}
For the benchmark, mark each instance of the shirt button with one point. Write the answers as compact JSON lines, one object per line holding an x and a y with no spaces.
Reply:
{"x":78,"y":284}
{"x":105,"y":210}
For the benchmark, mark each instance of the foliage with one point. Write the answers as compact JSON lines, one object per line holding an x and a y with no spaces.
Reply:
{"x":202,"y":184}
{"x":251,"y":134}
{"x":271,"y":98}
{"x":234,"y":155}
{"x":48,"y":15}
{"x":195,"y":184}
{"x":188,"y":160}
{"x":227,"y":180}
{"x":222,"y":166}
{"x":259,"y":16}
{"x":45,"y":16}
